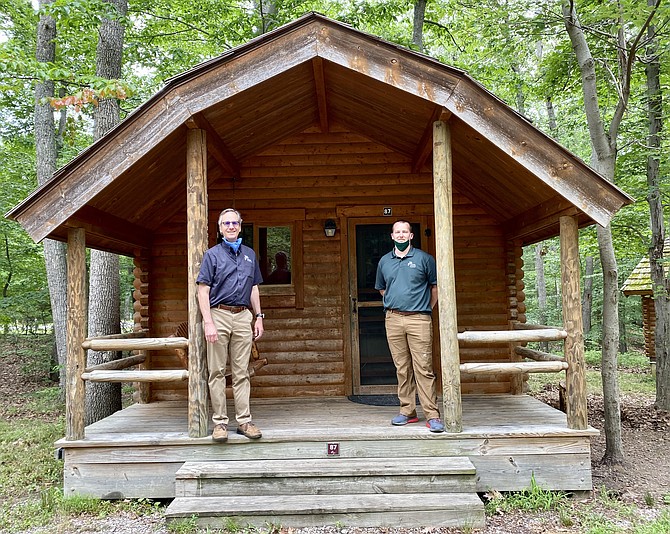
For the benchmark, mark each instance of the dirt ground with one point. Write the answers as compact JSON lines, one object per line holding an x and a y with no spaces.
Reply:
{"x":643,"y":480}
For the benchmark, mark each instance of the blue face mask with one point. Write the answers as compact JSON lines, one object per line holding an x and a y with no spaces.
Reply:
{"x":235,"y":245}
{"x":401,"y":246}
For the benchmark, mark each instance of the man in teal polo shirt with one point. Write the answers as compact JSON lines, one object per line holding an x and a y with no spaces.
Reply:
{"x":407,"y":280}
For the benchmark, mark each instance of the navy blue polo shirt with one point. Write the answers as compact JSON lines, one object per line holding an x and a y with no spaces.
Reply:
{"x":230,"y":275}
{"x":407,"y":281}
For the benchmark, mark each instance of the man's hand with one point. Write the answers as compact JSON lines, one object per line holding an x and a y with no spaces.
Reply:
{"x":211,"y":334}
{"x":258,"y":328}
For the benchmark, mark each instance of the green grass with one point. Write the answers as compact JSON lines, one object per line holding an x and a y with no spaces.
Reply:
{"x":634,"y":375}
{"x":27,"y":462}
{"x":626,"y":518}
{"x":51,"y":507}
{"x":533,"y":499}
{"x":605,"y":515}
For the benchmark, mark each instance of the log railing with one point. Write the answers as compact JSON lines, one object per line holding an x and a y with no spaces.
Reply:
{"x":117,"y":370}
{"x":523,"y":334}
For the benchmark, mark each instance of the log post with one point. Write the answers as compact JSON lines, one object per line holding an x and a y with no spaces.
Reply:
{"x":196,"y":208}
{"x":75,"y":400}
{"x":575,"y":376}
{"x":444,"y":254}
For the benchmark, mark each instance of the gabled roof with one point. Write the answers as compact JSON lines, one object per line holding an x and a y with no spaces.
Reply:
{"x":315,"y":72}
{"x":639,"y":280}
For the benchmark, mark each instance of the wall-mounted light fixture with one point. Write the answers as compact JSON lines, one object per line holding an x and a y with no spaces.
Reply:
{"x":329,"y":228}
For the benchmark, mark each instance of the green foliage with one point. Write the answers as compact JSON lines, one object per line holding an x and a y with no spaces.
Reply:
{"x":626,"y":361}
{"x":533,"y":499}
{"x":183,"y":526}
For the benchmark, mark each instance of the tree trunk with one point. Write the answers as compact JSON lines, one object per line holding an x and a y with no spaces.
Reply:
{"x":46,"y":154}
{"x":603,"y":159}
{"x":541,"y":290}
{"x":103,"y":399}
{"x":551,"y":117}
{"x":267,"y":10}
{"x":614,"y":453}
{"x":623,"y":330}
{"x":587,"y":295}
{"x":660,"y":279}
{"x":417,"y":26}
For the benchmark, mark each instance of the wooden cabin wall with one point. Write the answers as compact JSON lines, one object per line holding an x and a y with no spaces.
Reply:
{"x":649,"y":327}
{"x":307,"y":347}
{"x":481,"y":269}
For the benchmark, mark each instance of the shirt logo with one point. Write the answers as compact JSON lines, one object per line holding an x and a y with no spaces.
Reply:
{"x":247,"y":258}
{"x":411,"y":264}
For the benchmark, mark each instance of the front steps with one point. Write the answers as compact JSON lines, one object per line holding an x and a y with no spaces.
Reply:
{"x":363,"y":492}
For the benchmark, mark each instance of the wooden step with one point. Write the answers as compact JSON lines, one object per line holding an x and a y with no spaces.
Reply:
{"x":336,"y":476}
{"x":365,"y":510}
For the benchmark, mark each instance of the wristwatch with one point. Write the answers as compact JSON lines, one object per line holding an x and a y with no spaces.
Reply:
{"x":261,"y":315}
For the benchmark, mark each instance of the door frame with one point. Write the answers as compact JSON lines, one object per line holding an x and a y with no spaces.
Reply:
{"x":350,"y":283}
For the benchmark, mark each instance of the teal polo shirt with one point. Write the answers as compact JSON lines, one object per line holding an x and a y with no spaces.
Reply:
{"x":407,"y":281}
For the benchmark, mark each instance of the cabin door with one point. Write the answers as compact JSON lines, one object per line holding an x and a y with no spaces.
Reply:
{"x":372,"y":366}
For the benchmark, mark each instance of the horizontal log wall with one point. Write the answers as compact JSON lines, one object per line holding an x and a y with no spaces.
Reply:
{"x":306,"y":347}
{"x":649,"y":327}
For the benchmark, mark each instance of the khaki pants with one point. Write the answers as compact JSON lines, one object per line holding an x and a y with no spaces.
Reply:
{"x":235,"y":338}
{"x":410,"y":339}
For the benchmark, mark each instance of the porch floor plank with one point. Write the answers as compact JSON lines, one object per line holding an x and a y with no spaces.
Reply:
{"x":332,"y":418}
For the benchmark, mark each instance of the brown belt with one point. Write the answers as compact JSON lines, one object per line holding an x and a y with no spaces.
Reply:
{"x":231,"y":309}
{"x":398,"y":312}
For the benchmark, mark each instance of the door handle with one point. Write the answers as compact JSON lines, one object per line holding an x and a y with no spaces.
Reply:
{"x":354,"y":305}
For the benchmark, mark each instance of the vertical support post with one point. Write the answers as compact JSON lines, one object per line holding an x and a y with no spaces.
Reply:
{"x":196,"y":209}
{"x":444,"y":254}
{"x":75,"y":401}
{"x":575,"y":377}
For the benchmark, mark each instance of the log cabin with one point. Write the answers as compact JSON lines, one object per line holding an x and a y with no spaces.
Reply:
{"x":639,"y":284}
{"x":322,"y":136}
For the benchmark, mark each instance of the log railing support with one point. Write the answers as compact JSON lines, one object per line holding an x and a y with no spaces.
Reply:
{"x":76,"y":333}
{"x":196,"y":229}
{"x":444,"y":253}
{"x":511,"y":336}
{"x":538,"y":355}
{"x":575,"y":376}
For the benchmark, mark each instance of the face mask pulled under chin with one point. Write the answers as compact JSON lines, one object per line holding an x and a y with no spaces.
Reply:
{"x":401,"y":246}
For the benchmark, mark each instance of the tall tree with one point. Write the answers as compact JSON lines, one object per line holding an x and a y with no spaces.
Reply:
{"x":659,"y":276}
{"x":587,"y":294}
{"x":104,"y":398}
{"x":46,"y":155}
{"x":603,"y":159}
{"x":417,"y":25}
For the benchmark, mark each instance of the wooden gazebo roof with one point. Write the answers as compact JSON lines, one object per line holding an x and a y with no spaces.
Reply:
{"x":639,"y":280}
{"x":315,"y":72}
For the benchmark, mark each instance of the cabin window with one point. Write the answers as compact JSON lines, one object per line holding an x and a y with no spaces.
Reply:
{"x":277,"y":247}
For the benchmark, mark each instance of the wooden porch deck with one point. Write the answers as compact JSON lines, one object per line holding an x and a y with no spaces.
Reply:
{"x":137,"y":451}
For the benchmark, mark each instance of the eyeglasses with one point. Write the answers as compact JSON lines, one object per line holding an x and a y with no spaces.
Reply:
{"x":230,"y":223}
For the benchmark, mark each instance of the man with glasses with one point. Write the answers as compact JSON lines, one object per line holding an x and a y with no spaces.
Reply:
{"x":227,"y":292}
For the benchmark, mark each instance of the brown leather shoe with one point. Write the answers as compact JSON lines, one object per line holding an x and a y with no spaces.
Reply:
{"x":249,"y":430}
{"x":220,"y":433}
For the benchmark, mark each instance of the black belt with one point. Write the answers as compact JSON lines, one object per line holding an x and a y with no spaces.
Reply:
{"x":398,"y":312}
{"x":232,"y":309}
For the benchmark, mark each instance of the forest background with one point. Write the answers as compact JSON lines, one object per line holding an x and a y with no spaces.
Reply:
{"x":518,"y":49}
